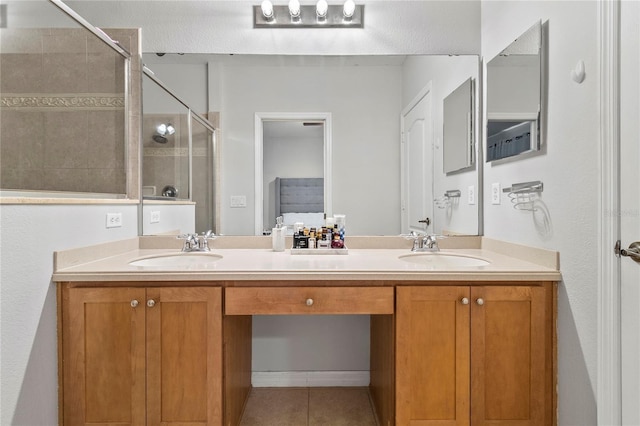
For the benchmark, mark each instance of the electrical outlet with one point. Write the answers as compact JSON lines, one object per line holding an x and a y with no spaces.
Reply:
{"x":471,"y":195}
{"x":238,"y":201}
{"x":155,"y":216}
{"x":114,"y":220}
{"x":495,"y":193}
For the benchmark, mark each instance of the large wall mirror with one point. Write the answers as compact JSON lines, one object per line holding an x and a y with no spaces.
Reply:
{"x":364,"y":97}
{"x":515,"y":98}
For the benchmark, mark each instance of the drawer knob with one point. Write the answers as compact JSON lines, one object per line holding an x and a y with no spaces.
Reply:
{"x":309,"y":302}
{"x":134,"y":303}
{"x":151,"y":303}
{"x":480,"y":301}
{"x":464,"y":301}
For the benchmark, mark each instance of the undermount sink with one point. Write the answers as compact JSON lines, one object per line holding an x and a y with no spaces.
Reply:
{"x":192,"y":260}
{"x":443,"y":260}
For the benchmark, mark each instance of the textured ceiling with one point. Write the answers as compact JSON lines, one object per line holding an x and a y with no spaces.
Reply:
{"x":391,"y":27}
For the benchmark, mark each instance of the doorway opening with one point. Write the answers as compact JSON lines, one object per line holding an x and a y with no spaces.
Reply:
{"x":289,"y":145}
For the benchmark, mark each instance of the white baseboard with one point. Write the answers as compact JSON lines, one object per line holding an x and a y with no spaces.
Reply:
{"x":303,"y":379}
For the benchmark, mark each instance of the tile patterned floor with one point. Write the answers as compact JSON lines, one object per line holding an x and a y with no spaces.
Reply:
{"x":309,"y":407}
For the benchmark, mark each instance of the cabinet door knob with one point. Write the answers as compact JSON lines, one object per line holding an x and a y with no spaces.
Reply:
{"x":151,"y":303}
{"x":464,"y":301}
{"x":134,"y":303}
{"x":480,"y":301}
{"x":309,"y":302}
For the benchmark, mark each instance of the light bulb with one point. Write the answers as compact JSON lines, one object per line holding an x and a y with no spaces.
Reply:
{"x":294,"y":8}
{"x":170,"y":129}
{"x":348,"y":9}
{"x":162,"y":129}
{"x":267,"y":9}
{"x":321,"y":8}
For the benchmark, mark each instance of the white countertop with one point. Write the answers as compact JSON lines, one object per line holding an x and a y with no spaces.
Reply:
{"x":243,"y":264}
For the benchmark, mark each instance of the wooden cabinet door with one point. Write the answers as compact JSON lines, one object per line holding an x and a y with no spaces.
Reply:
{"x":103,"y":356}
{"x":184,"y":356}
{"x":432,"y":356}
{"x":508,"y":356}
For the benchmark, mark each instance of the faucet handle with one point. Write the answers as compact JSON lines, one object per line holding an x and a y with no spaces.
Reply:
{"x":431,"y":242}
{"x":411,"y":235}
{"x":203,"y":243}
{"x":190,"y":241}
{"x":187,"y":237}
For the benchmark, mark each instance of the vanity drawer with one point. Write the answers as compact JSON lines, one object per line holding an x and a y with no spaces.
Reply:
{"x":308,"y":300}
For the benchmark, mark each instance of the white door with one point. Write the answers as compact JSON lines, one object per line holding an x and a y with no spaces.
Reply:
{"x":630,"y":209}
{"x":417,"y":164}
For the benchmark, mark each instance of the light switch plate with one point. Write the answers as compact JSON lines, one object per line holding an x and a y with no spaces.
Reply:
{"x":495,"y":193}
{"x":238,"y":201}
{"x":471,"y":195}
{"x":155,"y":216}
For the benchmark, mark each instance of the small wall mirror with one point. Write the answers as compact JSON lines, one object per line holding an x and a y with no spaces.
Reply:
{"x":458,"y":135}
{"x":515,"y":82}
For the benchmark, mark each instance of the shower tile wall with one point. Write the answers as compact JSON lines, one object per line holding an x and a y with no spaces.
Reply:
{"x":62,"y":112}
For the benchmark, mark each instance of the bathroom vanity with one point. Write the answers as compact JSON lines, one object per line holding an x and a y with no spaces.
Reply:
{"x":454,"y":345}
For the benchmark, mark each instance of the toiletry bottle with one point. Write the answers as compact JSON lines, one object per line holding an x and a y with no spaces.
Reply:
{"x":341,"y":221}
{"x":278,"y":235}
{"x":312,"y":238}
{"x":337,"y":243}
{"x":329,"y":222}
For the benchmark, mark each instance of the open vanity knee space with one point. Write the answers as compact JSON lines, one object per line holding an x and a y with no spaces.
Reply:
{"x":467,"y":346}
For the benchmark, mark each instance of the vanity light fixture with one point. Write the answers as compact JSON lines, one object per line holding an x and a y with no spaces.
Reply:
{"x":294,"y":10}
{"x":321,"y":15}
{"x":267,"y":10}
{"x":321,"y":10}
{"x":348,"y":9}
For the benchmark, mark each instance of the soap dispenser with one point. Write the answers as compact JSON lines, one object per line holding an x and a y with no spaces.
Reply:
{"x":278,"y":235}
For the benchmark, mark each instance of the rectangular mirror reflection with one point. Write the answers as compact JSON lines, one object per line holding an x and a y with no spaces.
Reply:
{"x":515,"y":82}
{"x":458,"y":135}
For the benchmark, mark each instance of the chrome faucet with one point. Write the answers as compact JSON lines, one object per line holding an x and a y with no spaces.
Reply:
{"x":424,"y":242}
{"x":195,"y":242}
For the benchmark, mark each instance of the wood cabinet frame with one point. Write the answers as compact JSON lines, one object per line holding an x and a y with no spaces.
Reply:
{"x":128,"y":335}
{"x":520,"y":326}
{"x":388,"y":366}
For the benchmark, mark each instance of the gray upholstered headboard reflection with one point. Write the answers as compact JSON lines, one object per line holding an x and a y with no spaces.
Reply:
{"x":299,"y":195}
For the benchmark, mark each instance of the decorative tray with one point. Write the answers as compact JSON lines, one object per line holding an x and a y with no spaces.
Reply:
{"x":320,"y":251}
